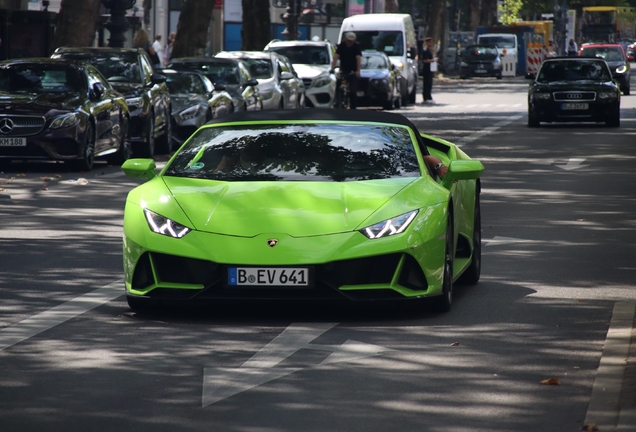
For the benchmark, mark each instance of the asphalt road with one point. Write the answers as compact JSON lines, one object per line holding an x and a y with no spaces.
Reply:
{"x":558,"y":272}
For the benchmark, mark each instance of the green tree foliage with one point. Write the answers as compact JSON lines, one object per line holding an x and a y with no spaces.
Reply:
{"x":510,"y":11}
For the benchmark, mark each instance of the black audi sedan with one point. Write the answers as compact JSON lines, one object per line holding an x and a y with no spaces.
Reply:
{"x":574,"y":89}
{"x":60,"y":110}
{"x":130,"y":71}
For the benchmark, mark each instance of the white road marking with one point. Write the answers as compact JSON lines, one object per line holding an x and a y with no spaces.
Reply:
{"x":486,"y":131}
{"x":222,"y":383}
{"x":46,"y":320}
{"x":498,"y":240}
{"x":572,"y":164}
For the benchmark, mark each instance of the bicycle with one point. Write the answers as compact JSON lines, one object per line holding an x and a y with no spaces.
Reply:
{"x":342,"y":90}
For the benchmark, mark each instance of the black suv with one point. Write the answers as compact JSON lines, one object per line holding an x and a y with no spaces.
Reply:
{"x":130,"y":72}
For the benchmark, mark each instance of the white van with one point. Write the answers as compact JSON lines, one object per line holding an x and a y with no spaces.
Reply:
{"x":508,"y":49}
{"x":393,"y":34}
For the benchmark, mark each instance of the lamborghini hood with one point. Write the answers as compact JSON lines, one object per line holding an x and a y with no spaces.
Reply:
{"x":298,"y":209}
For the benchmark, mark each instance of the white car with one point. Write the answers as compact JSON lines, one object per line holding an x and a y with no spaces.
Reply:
{"x":312,"y":61}
{"x":279,"y":84}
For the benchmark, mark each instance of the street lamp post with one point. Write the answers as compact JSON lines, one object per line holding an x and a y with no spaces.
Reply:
{"x":117,"y":24}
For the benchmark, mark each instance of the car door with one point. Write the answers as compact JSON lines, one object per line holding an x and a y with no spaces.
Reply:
{"x":104,"y":110}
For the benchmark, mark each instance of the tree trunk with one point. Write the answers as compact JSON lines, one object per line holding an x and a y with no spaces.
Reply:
{"x":192,"y":29}
{"x":488,"y":12}
{"x":475,"y":14}
{"x":436,"y":20}
{"x":256,"y":30}
{"x":76,"y":23}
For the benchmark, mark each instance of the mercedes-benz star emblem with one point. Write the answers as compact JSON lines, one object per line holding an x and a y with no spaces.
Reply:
{"x":6,"y":125}
{"x":272,"y":242}
{"x":575,"y":96}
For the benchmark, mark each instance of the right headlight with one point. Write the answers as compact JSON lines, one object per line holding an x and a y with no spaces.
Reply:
{"x":606,"y":96}
{"x":162,"y":225}
{"x":541,"y":96}
{"x":322,"y":81}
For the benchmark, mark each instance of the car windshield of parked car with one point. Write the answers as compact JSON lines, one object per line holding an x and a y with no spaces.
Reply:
{"x":185,"y":83}
{"x":259,"y":68}
{"x":116,"y":67}
{"x":572,"y":70}
{"x":389,"y":42}
{"x":499,"y":41}
{"x":41,"y":78}
{"x":373,"y":62}
{"x":607,"y":54}
{"x":479,"y":52}
{"x":297,"y":152}
{"x":304,"y":54}
{"x":219,"y":73}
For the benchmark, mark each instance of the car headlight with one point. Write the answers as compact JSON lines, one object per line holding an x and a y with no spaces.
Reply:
{"x":621,"y":69}
{"x":64,"y":121}
{"x":191,"y":112}
{"x":162,"y":225}
{"x":389,"y":227}
{"x":541,"y":96}
{"x":322,"y":81}
{"x":133,"y":102}
{"x":606,"y":96}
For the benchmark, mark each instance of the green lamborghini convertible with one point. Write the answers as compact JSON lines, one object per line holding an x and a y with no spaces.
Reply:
{"x":303,"y":205}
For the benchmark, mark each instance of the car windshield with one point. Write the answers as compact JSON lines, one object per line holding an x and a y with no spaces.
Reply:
{"x":480,"y":51}
{"x":217,"y":72}
{"x":607,"y":54}
{"x":572,"y":70}
{"x":41,"y":78}
{"x":116,"y":67}
{"x":259,"y":68}
{"x":373,"y":62}
{"x":184,"y":83}
{"x":304,"y":54}
{"x":297,"y":152}
{"x":499,"y":41}
{"x":389,"y":42}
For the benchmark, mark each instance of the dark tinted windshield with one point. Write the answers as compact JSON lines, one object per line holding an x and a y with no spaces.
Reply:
{"x":41,"y":78}
{"x":259,"y":68}
{"x":116,"y":67}
{"x":607,"y":54}
{"x":374,"y":62}
{"x":304,"y":54}
{"x":500,"y":41}
{"x":323,"y":152}
{"x":185,"y":83}
{"x":480,"y":51}
{"x":571,"y":70}
{"x":389,"y":42}
{"x":218,"y":73}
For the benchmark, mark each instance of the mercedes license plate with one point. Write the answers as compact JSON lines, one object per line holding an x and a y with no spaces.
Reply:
{"x":360,"y":94}
{"x":12,"y":142}
{"x":268,"y":276}
{"x":480,"y":71}
{"x":575,"y":106}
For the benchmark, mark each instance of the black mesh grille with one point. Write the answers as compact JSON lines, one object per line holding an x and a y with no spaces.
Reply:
{"x":412,"y":276}
{"x":20,"y":126}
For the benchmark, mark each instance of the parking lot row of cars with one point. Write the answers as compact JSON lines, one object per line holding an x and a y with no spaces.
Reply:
{"x":111,"y":103}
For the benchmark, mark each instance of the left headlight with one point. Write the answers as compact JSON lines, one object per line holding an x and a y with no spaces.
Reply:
{"x":162,"y":225}
{"x":607,"y":95}
{"x":389,"y":227}
{"x":192,"y":112}
{"x":621,"y":69}
{"x":541,"y":96}
{"x":64,"y":121}
{"x":322,"y":81}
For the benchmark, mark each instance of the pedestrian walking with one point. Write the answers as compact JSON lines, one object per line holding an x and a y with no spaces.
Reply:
{"x":572,"y":49}
{"x":142,"y":40}
{"x":167,"y":52}
{"x":349,"y":53}
{"x":158,"y":47}
{"x":428,"y":59}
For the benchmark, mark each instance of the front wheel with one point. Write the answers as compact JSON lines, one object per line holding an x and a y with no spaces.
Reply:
{"x":472,"y":273}
{"x":85,"y":163}
{"x":165,"y":141}
{"x":445,"y":301}
{"x":533,"y":120}
{"x":147,"y":149}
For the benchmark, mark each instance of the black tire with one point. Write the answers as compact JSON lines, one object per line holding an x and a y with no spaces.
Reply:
{"x":147,"y":149}
{"x":533,"y":120}
{"x":413,"y":94}
{"x":88,"y":151}
{"x":627,"y":89}
{"x":125,"y":149}
{"x":473,"y":272}
{"x":445,"y":301}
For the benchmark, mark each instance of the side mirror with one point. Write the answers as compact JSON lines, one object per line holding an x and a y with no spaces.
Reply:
{"x":462,"y":170}
{"x":140,"y":168}
{"x":157,"y":79}
{"x":98,"y":90}
{"x":251,"y":82}
{"x":286,"y":75}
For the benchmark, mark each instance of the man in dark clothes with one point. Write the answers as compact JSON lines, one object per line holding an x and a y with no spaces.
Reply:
{"x":350,"y":54}
{"x":427,"y":57}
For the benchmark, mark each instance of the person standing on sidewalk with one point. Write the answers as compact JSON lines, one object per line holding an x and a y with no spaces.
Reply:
{"x":350,"y":55}
{"x":427,"y":57}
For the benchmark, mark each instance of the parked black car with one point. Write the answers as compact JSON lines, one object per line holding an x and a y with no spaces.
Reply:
{"x":61,"y":110}
{"x":130,"y":71}
{"x":574,"y":89}
{"x":195,"y":101}
{"x":480,"y":60}
{"x":231,"y":73}
{"x":616,"y":59}
{"x":379,"y":81}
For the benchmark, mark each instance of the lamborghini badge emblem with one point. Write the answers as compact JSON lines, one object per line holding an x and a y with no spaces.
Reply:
{"x":272,"y":242}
